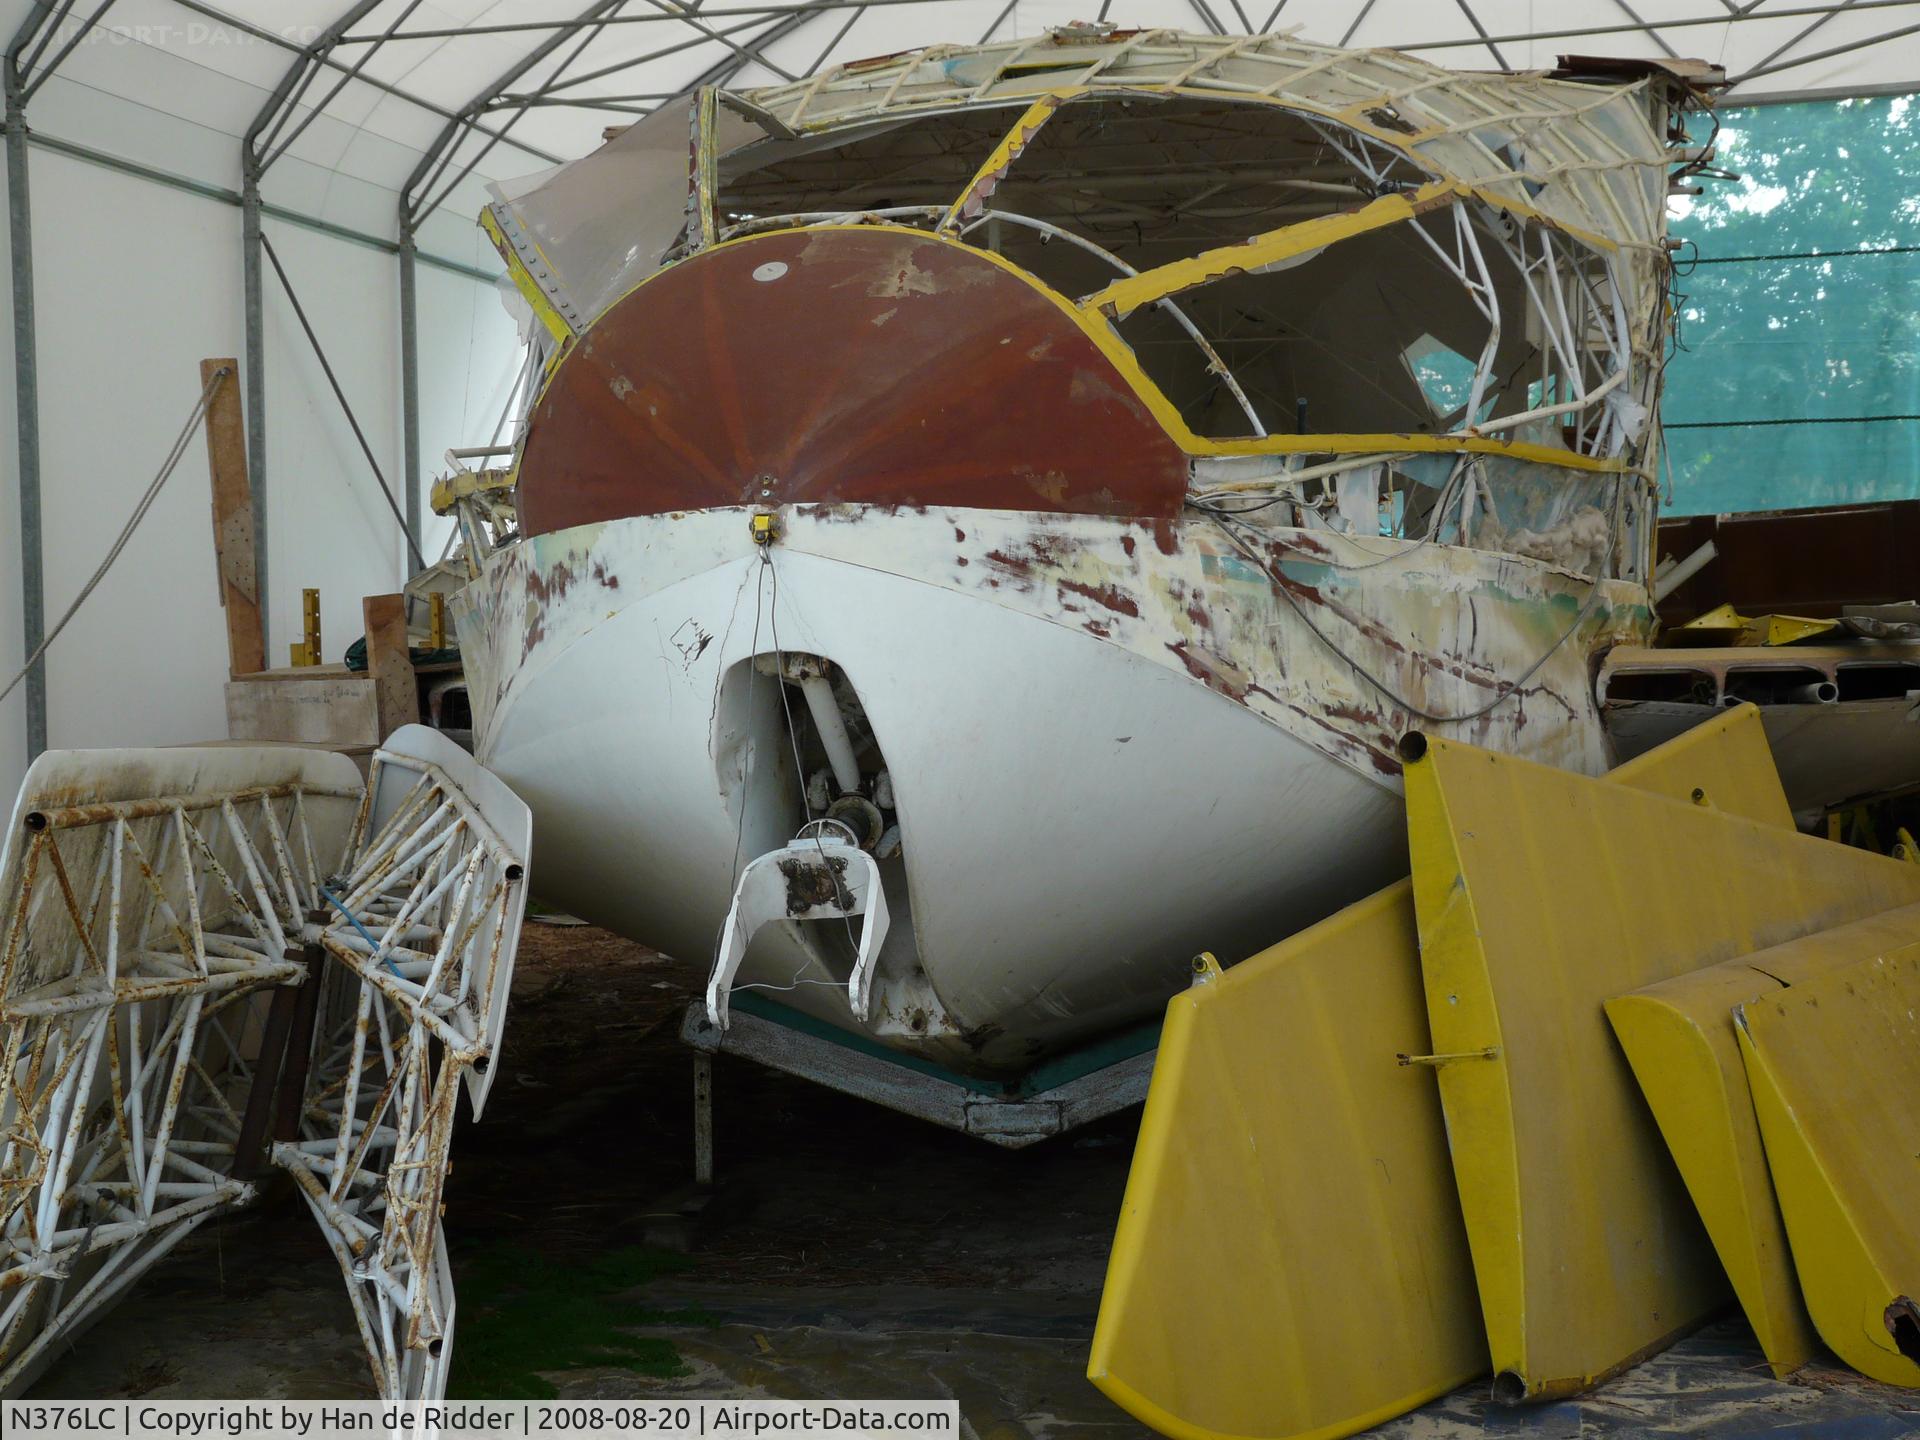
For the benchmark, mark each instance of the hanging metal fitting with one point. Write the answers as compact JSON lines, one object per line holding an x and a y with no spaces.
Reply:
{"x":1492,"y":1052}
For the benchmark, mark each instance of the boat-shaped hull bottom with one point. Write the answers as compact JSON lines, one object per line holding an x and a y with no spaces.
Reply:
{"x":1108,"y":744}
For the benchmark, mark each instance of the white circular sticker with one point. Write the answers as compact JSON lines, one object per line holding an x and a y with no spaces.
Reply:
{"x":772,"y":270}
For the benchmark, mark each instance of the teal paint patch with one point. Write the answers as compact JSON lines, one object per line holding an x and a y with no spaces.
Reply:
{"x":1311,"y":573}
{"x":1232,"y":568}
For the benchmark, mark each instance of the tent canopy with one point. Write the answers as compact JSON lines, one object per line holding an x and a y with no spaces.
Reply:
{"x":431,"y":99}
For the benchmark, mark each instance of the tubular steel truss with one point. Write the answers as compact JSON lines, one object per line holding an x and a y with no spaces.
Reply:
{"x":151,"y":898}
{"x":422,"y":951}
{"x":137,"y":931}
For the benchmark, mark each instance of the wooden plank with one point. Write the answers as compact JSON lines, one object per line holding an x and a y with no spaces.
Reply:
{"x":390,"y":662}
{"x":233,"y":521}
{"x":328,"y":710}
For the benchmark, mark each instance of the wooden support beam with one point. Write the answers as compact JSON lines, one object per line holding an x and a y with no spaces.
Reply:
{"x":233,"y":521}
{"x":390,"y":662}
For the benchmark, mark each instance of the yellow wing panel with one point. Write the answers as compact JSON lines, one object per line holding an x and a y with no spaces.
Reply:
{"x":1679,"y":1038}
{"x":1290,"y":1258}
{"x":1724,"y":764}
{"x":1540,"y":895}
{"x":1834,"y":1063}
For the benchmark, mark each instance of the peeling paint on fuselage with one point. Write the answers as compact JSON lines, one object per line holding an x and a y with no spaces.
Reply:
{"x":1175,"y":610}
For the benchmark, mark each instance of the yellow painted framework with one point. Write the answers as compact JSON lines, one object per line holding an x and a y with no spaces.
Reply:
{"x":1541,"y":894}
{"x":1290,"y":1258}
{"x":1169,"y":279}
{"x":1150,"y":395}
{"x":524,"y":282}
{"x":1352,"y":118}
{"x":994,"y":168}
{"x":1834,"y":1063}
{"x":1124,"y":296}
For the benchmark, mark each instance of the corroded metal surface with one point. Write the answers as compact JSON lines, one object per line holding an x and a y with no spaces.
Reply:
{"x":149,"y":894}
{"x":1091,"y":677}
{"x":1447,"y":625}
{"x":1145,"y":432}
{"x":426,"y":916}
{"x":876,"y":366}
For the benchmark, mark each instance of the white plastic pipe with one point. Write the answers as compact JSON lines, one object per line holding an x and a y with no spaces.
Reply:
{"x":1672,"y":580}
{"x":833,"y":731}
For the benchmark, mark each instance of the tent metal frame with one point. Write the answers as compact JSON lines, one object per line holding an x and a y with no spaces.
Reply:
{"x":487,"y":121}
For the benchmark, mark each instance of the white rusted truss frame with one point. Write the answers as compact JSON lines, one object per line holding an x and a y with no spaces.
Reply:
{"x":1509,"y":132}
{"x":134,"y":936}
{"x":137,"y":964}
{"x":421,"y":956}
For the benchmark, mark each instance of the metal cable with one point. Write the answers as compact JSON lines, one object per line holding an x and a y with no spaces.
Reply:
{"x":140,"y":510}
{"x":326,"y":366}
{"x":1508,"y":688}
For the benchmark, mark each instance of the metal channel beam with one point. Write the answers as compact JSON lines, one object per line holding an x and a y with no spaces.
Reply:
{"x":431,"y":164}
{"x":269,"y":37}
{"x":724,"y":70}
{"x":663,"y":16}
{"x":415,"y":208}
{"x":410,"y":396}
{"x":252,"y":169}
{"x":26,"y":374}
{"x":340,"y":394}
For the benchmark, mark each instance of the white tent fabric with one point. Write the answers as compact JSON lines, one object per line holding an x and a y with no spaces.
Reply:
{"x":551,"y":75}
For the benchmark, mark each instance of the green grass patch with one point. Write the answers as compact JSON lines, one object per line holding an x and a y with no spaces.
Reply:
{"x":522,"y":1313}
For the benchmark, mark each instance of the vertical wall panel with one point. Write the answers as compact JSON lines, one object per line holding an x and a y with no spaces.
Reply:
{"x":137,"y":282}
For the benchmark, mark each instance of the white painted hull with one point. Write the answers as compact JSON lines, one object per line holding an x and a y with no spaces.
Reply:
{"x":1112,"y":744}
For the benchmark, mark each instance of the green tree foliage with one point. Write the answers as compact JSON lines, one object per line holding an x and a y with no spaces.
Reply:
{"x":1831,"y":334}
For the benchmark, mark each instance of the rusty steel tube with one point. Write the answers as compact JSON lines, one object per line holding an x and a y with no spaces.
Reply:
{"x":74,"y":816}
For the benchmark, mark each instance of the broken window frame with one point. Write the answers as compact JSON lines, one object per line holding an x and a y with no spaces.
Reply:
{"x":1600,"y":443}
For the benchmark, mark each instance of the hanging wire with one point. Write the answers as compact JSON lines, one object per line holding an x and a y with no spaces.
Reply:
{"x":842,"y":897}
{"x":761,"y":576}
{"x":140,"y":509}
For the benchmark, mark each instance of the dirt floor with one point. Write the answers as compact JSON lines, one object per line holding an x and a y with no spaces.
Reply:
{"x":846,"y":1252}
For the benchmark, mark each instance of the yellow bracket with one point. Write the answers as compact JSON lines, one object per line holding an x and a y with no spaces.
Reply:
{"x":524,"y":282}
{"x":469,"y":484}
{"x":988,"y":177}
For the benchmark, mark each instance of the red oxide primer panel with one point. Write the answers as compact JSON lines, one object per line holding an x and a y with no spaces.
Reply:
{"x":869,"y":366}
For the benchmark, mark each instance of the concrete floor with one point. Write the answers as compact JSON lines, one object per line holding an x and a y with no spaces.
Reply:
{"x":846,"y":1252}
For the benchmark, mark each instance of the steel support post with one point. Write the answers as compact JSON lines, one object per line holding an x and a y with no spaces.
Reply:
{"x":702,"y":1118}
{"x":256,"y":372}
{"x":26,"y":387}
{"x":410,"y":390}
